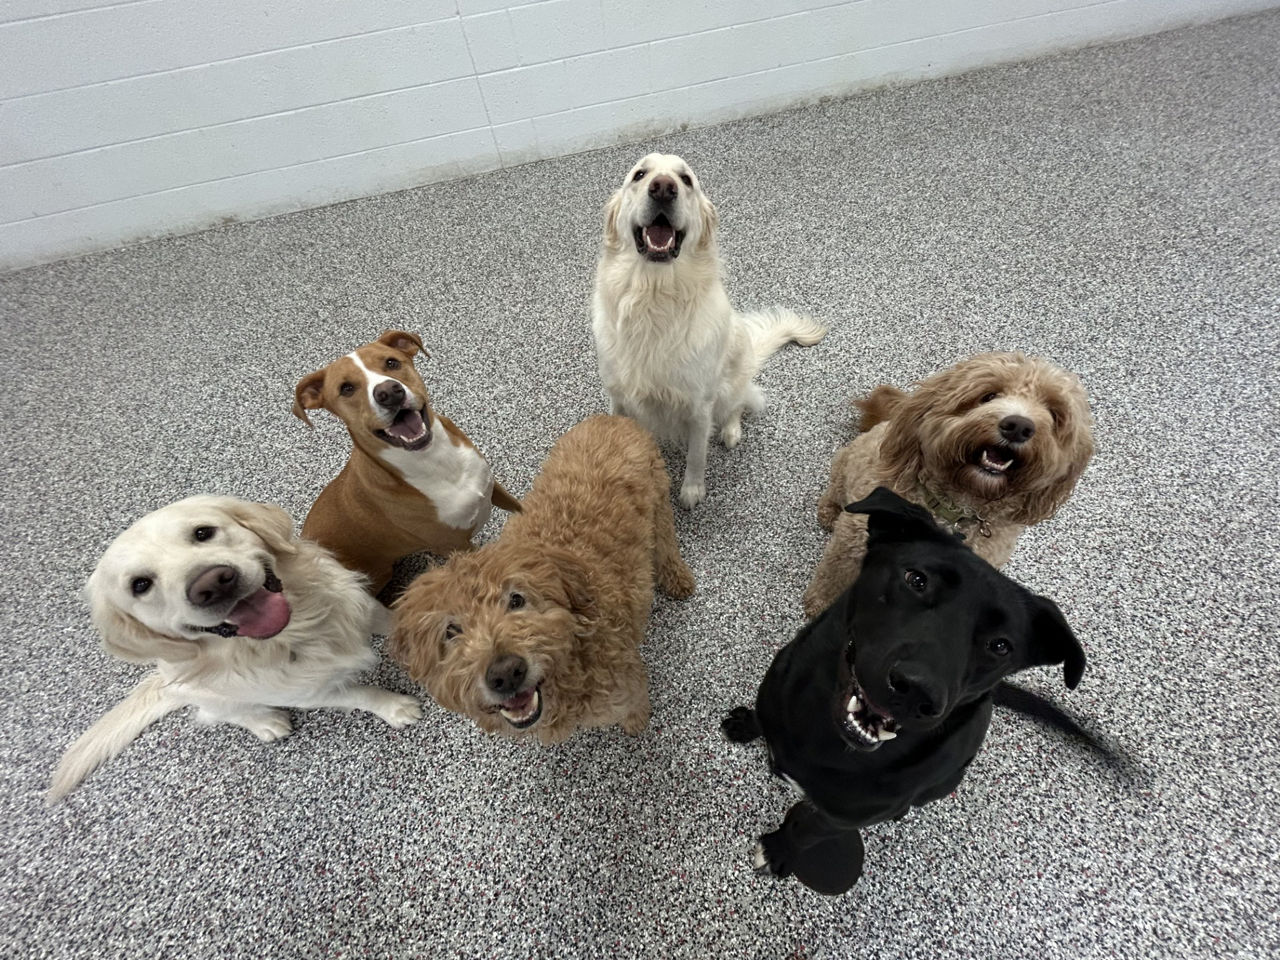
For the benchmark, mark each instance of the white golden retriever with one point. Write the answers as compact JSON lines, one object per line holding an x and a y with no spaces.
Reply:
{"x":672,"y":351}
{"x":240,"y":619}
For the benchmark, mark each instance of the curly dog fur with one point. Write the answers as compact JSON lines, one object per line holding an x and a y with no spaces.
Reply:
{"x":990,"y":446}
{"x":537,"y":634}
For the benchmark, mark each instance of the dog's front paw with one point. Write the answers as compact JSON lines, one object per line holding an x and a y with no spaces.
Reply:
{"x":731,"y":435}
{"x":769,"y":855}
{"x":740,"y":726}
{"x":692,"y":494}
{"x":269,"y":726}
{"x":400,"y":710}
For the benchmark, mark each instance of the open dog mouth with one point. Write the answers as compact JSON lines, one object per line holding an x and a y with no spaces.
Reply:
{"x":408,"y":430}
{"x":864,"y":725}
{"x":995,"y":460}
{"x":261,"y":615}
{"x":659,"y":241}
{"x":523,"y":710}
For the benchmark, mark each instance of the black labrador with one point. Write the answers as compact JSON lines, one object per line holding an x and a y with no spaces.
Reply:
{"x":880,"y":703}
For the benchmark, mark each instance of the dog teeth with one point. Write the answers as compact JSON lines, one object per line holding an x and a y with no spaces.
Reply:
{"x":854,"y":705}
{"x":886,"y":735}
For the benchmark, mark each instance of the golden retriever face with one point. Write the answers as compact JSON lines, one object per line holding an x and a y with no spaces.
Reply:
{"x":659,"y":208}
{"x":376,"y":392}
{"x":201,"y":566}
{"x":492,"y":634}
{"x":1001,"y":428}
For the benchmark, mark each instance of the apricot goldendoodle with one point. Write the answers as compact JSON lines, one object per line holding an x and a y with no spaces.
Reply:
{"x":989,"y":447}
{"x":538,"y":633}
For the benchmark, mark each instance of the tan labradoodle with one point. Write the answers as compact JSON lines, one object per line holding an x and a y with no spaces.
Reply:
{"x":538,"y":633}
{"x":989,"y":446}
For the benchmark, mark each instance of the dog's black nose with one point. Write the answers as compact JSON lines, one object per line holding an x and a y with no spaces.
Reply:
{"x":663,"y":187}
{"x":389,"y":393}
{"x":212,"y":585}
{"x":921,"y":695}
{"x":505,"y":675}
{"x":1017,"y":429}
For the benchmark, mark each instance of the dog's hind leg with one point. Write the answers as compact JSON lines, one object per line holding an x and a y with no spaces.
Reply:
{"x":741,"y":725}
{"x":824,"y":855}
{"x":673,"y":574}
{"x":838,"y":567}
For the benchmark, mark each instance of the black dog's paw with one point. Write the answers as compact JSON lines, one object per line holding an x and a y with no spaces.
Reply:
{"x":741,"y":725}
{"x":770,"y":855}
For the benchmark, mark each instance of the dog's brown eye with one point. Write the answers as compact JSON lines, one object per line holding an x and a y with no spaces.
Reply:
{"x":516,"y":602}
{"x":140,"y":585}
{"x":916,"y":580}
{"x":393,"y":363}
{"x":347,"y":389}
{"x":452,"y":631}
{"x":639,"y":175}
{"x":988,"y":397}
{"x":688,"y":180}
{"x":999,"y":646}
{"x":204,"y":533}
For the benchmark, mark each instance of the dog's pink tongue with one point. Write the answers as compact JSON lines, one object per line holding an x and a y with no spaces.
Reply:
{"x":262,"y":615}
{"x":659,"y":235}
{"x":408,"y":425}
{"x":519,"y":702}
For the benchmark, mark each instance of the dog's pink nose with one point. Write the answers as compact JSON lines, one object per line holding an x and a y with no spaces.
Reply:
{"x":212,"y":585}
{"x":389,"y":393}
{"x":1017,"y":429}
{"x":663,"y":187}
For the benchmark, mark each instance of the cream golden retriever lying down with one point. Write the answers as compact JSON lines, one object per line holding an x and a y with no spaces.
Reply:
{"x":672,"y":352}
{"x":239,"y":617}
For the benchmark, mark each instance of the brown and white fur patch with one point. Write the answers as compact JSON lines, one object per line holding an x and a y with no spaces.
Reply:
{"x":990,"y":446}
{"x":239,"y":618}
{"x":414,"y":481}
{"x":671,"y":350}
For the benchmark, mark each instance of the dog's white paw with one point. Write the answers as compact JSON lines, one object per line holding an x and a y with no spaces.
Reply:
{"x":400,"y":710}
{"x":759,"y":860}
{"x":692,"y":494}
{"x":731,"y":435}
{"x":269,"y":726}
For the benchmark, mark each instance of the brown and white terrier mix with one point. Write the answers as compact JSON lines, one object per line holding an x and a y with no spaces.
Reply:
{"x":414,"y":481}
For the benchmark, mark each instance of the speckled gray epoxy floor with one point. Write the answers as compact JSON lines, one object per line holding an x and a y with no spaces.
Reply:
{"x":1115,"y":209}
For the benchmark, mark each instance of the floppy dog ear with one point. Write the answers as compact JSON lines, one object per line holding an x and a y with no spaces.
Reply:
{"x":893,"y":518}
{"x":308,"y":395}
{"x":269,"y":522}
{"x":1054,"y":642}
{"x":710,"y":221}
{"x":405,"y":342}
{"x":128,"y":638}
{"x":611,"y":212}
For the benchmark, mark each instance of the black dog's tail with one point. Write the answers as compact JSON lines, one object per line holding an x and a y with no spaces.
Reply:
{"x":1033,"y":705}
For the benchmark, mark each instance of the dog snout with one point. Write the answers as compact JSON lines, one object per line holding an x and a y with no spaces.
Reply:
{"x":212,"y":586}
{"x":921,"y":695}
{"x":1017,"y":429}
{"x":506,"y":674}
{"x":663,"y":188}
{"x":389,"y":393}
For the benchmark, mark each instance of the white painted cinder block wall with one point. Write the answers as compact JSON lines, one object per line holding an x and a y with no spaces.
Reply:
{"x":122,"y":120}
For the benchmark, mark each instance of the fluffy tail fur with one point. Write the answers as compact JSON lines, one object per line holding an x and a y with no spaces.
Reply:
{"x":120,"y":726}
{"x":773,"y":328}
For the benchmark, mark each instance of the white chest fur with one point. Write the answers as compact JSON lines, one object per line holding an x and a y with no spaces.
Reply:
{"x":452,"y":475}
